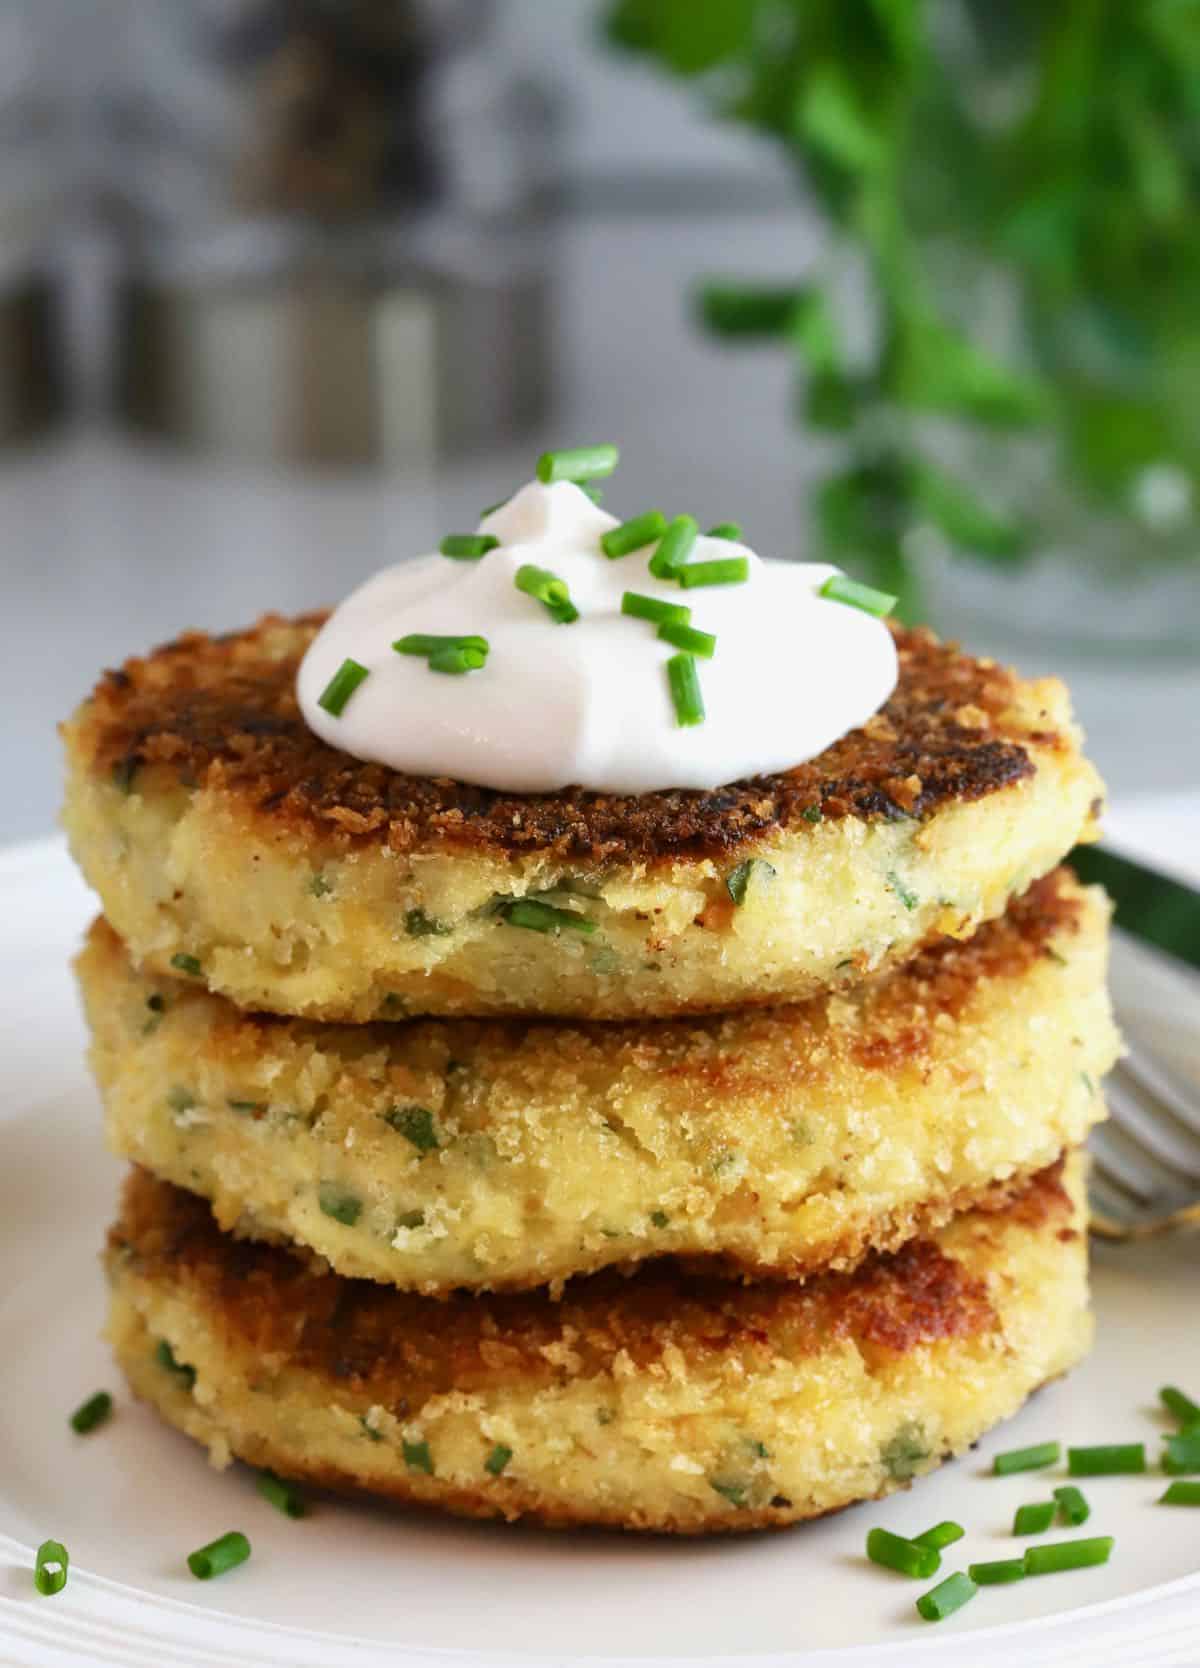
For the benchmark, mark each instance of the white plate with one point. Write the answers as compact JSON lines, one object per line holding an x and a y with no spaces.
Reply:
{"x":352,"y":1585}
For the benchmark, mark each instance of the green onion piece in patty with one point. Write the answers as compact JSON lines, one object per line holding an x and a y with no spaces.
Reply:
{"x":838,"y":588}
{"x":424,"y":643}
{"x":95,"y":1411}
{"x":577,"y":463}
{"x":1181,"y":1494}
{"x":281,"y":1495}
{"x":674,"y":547}
{"x":220,"y":1555}
{"x":684,"y":682}
{"x":468,"y":547}
{"x":544,"y":917}
{"x":650,"y":608}
{"x":457,"y":660}
{"x":737,"y":881}
{"x":942,"y":1534}
{"x":687,"y":637}
{"x":725,"y":530}
{"x":1179,"y":1405}
{"x":1116,"y":1459}
{"x":165,"y":1356}
{"x":729,"y":570}
{"x":50,"y":1568}
{"x":1182,"y":1453}
{"x":1072,"y":1507}
{"x":904,"y":1556}
{"x":633,"y":535}
{"x":418,"y":1457}
{"x":1067,"y":1555}
{"x":1027,"y":1459}
{"x":947,"y":1597}
{"x":996,"y":1573}
{"x":497,"y":1459}
{"x":1035,"y":1518}
{"x":187,"y":964}
{"x":336,"y":1202}
{"x":341,"y":686}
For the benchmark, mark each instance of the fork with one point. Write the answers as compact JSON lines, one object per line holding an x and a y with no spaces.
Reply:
{"x":1145,"y":1177}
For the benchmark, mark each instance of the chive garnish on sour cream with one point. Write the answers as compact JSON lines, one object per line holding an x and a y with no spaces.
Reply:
{"x":839,"y":588}
{"x":467,"y":547}
{"x":578,"y":463}
{"x":674,"y":547}
{"x":684,"y":682}
{"x":727,"y":570}
{"x":634,"y":535}
{"x":349,"y":675}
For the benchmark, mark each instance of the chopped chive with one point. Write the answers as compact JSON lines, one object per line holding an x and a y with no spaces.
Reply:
{"x":416,"y":1124}
{"x":497,"y":1459}
{"x":1026,"y":1459}
{"x":942,"y":1534}
{"x":650,"y":608}
{"x":996,"y":1573}
{"x":1182,"y":1453}
{"x":50,"y":1568}
{"x":812,"y":813}
{"x":1181,"y":1494}
{"x":419,"y":925}
{"x":947,"y":1597}
{"x":1179,"y":1405}
{"x":634,"y":534}
{"x":907,"y":896}
{"x":660,"y":1219}
{"x":737,"y":881}
{"x":281,"y":1495}
{"x":247,"y":1108}
{"x":1117,"y":1459}
{"x":1072,"y":1507}
{"x":1035,"y":1518}
{"x":165,"y":1356}
{"x":417,"y":1457}
{"x":686,"y":696}
{"x":95,"y":1411}
{"x":674,"y":547}
{"x":729,"y":570}
{"x":492,"y":508}
{"x":187,"y":964}
{"x":468,"y":547}
{"x":839,"y":588}
{"x":687,"y":637}
{"x":457,"y":660}
{"x":725,"y":530}
{"x":425,"y":644}
{"x":341,"y":686}
{"x":1067,"y":1555}
{"x":342,"y":1206}
{"x":548,"y":589}
{"x":906,"y":1557}
{"x":225,"y":1553}
{"x":577,"y":463}
{"x":544,"y":917}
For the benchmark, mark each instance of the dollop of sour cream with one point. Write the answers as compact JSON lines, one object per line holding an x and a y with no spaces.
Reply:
{"x":588,"y":703}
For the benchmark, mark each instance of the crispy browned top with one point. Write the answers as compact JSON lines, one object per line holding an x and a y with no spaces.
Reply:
{"x":222,"y":712}
{"x":397,"y":1346}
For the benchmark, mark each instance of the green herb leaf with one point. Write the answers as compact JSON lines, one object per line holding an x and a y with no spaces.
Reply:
{"x":416,"y":1124}
{"x":737,"y":881}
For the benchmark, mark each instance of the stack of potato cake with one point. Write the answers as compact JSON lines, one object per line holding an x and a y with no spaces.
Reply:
{"x":688,"y":1161}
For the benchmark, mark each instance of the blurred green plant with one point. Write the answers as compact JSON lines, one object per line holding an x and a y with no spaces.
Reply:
{"x":1055,"y":143}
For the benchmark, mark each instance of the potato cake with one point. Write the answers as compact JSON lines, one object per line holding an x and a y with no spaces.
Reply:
{"x":230,"y":844}
{"x":661,"y":1402}
{"x":432,"y":1154}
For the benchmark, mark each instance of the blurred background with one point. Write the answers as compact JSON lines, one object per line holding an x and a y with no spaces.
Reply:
{"x":290,"y":287}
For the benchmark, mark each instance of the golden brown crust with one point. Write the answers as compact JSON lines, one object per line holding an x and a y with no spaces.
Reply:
{"x":397,"y":1347}
{"x":221,"y":712}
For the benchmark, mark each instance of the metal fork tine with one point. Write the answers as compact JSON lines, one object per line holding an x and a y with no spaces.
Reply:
{"x":1158,"y":1083}
{"x":1140,"y":1172}
{"x":1153,"y":1135}
{"x":1110,"y":1166}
